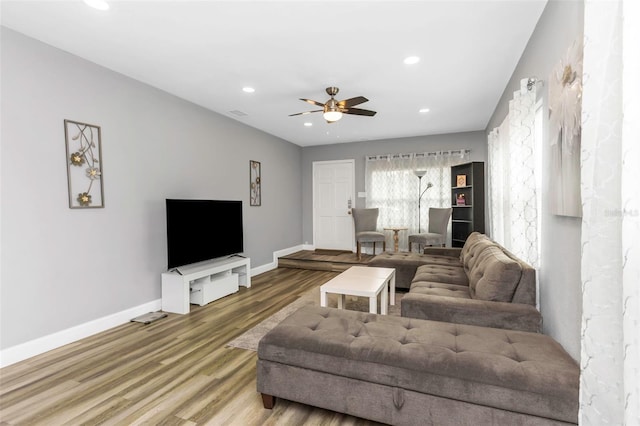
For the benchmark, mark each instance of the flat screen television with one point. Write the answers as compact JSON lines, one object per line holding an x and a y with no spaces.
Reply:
{"x":199,"y":230}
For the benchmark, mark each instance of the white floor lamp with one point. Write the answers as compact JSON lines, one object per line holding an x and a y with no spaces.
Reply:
{"x":420,"y":174}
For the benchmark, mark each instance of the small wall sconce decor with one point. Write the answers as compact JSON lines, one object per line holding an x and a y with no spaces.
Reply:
{"x":255,"y":193}
{"x":84,"y":165}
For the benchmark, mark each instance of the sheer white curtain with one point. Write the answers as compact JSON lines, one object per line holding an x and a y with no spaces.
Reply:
{"x":513,"y":178}
{"x":499,"y":170}
{"x":610,"y":273}
{"x":393,"y":187}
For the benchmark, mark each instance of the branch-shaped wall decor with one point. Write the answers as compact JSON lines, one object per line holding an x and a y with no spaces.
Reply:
{"x":255,"y":193}
{"x":84,"y":165}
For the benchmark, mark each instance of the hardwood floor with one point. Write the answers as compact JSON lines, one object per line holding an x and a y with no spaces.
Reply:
{"x":175,"y":371}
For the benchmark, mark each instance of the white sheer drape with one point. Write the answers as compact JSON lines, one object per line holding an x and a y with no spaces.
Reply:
{"x":610,"y":357}
{"x":392,"y":186}
{"x":498,"y":179}
{"x":513,"y":180}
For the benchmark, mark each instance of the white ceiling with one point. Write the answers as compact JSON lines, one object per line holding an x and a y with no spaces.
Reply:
{"x":207,"y":51}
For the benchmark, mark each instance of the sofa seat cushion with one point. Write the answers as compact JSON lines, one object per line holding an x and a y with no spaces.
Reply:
{"x":439,"y":289}
{"x":494,"y":276}
{"x":406,"y":264}
{"x":517,"y":371}
{"x":441,"y":274}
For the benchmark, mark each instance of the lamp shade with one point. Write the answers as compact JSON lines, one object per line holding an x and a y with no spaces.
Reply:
{"x":332,"y":111}
{"x":420,"y":173}
{"x":332,"y":116}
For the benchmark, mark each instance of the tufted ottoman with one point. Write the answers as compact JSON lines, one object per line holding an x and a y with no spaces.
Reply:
{"x":408,"y":371}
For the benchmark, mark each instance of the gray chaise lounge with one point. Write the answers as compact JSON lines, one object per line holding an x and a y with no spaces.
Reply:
{"x":416,"y":372}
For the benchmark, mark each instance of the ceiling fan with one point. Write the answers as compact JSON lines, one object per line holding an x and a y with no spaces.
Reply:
{"x":332,"y":109}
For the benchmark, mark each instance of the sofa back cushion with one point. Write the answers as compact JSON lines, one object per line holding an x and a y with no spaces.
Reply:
{"x":472,"y":239}
{"x":473,"y":247}
{"x":493,"y":276}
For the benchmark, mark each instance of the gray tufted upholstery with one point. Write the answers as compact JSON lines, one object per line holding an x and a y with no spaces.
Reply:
{"x":520,"y":372}
{"x":500,"y":288}
{"x":441,"y":274}
{"x":439,"y":289}
{"x":407,"y":263}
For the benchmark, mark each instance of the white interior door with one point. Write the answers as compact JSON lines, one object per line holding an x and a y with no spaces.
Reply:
{"x":333,"y":197}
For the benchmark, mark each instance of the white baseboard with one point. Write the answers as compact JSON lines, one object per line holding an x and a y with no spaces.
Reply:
{"x":273,"y":265}
{"x":309,"y":247}
{"x":263,"y":268}
{"x":46,"y":343}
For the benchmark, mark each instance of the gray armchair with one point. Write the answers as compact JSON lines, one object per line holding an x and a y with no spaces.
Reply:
{"x":437,"y":235}
{"x":366,"y":224}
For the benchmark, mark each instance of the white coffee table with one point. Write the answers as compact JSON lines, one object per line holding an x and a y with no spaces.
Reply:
{"x":363,"y":281}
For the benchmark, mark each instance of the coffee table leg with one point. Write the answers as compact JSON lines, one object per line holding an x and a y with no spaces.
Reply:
{"x":384,"y":301}
{"x":373,"y":305}
{"x":392,"y":293}
{"x":341,"y":301}
{"x":323,"y":298}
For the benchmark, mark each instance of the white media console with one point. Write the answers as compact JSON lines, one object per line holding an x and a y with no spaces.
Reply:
{"x":203,"y":283}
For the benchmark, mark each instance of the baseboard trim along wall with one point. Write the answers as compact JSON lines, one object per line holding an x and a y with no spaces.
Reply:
{"x":273,"y":265}
{"x":52,"y":341}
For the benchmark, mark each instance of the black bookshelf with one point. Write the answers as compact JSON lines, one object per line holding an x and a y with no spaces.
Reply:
{"x":467,"y":201}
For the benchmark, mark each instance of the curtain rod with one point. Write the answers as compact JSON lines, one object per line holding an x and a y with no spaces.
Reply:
{"x":460,"y":152}
{"x":530,"y":83}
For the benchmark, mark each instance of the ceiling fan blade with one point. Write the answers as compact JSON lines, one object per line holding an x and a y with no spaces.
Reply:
{"x":306,"y":112}
{"x":312,"y":102}
{"x":348,"y":103}
{"x":358,"y":111}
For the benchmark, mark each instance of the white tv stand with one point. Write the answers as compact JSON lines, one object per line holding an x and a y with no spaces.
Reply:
{"x":176,"y":286}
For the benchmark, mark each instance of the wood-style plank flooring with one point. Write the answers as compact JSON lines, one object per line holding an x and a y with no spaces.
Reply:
{"x":175,"y":371}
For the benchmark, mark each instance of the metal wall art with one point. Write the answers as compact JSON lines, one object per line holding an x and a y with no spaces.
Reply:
{"x":84,"y":165}
{"x":255,"y":193}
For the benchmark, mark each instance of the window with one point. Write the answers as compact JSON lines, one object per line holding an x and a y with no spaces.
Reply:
{"x":394,"y":188}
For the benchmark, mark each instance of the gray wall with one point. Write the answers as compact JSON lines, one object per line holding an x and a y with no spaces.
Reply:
{"x":475,"y":141}
{"x":63,"y":267}
{"x":560,"y":290}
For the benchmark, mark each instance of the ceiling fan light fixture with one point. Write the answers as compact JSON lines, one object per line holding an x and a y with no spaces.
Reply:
{"x":331,"y":110}
{"x":332,"y":116}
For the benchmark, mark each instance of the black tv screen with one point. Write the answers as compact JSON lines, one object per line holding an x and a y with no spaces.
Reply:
{"x":200,"y":230}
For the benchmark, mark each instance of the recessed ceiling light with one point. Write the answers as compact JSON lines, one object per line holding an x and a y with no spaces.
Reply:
{"x":424,"y":110}
{"x":248,"y":89}
{"x":97,"y":4}
{"x":411,"y":60}
{"x":307,"y":124}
